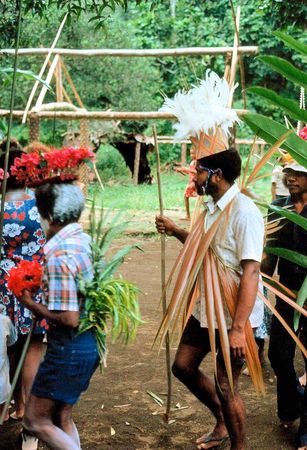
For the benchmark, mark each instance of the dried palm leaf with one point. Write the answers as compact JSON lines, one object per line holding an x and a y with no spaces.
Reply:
{"x":285,"y":325}
{"x":229,"y":288}
{"x":221,"y":321}
{"x":260,"y":164}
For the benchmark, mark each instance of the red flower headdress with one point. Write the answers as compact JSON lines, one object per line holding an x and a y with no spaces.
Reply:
{"x":58,"y":165}
{"x":26,"y":275}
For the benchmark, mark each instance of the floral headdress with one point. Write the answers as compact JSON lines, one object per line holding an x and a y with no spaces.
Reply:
{"x":44,"y":167}
{"x":204,"y":115}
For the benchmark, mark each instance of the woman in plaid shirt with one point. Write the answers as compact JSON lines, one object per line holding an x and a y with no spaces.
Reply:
{"x":71,"y":358}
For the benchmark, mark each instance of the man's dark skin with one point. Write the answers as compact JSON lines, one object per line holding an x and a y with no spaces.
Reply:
{"x":297,"y":184}
{"x":228,"y":409}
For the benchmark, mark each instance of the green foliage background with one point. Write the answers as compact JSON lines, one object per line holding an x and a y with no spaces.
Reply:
{"x":136,"y":83}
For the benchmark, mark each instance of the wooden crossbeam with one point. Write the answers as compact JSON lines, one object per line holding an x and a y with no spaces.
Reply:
{"x":100,"y":115}
{"x":122,"y":53}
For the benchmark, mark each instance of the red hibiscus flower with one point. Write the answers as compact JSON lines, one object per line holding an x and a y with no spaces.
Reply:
{"x":26,"y":275}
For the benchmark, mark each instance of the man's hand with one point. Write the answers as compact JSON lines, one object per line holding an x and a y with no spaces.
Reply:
{"x":237,"y":343}
{"x":165,"y":225}
{"x":26,"y":299}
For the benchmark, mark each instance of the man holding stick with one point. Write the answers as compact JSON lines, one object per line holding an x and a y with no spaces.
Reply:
{"x":238,"y":243}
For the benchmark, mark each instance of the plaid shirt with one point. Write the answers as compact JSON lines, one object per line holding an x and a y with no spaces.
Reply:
{"x":68,"y":254}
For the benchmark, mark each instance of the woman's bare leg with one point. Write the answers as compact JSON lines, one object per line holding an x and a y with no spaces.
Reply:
{"x":31,"y":364}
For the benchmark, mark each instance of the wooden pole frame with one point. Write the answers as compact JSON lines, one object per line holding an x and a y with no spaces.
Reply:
{"x":132,"y":53}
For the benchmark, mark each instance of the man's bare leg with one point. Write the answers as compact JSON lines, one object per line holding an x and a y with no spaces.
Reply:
{"x":232,"y":405}
{"x":38,"y":421}
{"x":66,"y":423}
{"x":186,"y":369}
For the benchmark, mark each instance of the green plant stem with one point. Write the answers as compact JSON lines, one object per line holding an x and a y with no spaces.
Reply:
{"x":10,"y":120}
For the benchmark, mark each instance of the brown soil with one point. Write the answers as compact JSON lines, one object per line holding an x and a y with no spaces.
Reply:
{"x":116,"y":413}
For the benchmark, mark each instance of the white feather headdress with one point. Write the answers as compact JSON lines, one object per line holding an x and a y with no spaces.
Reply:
{"x":203,"y":109}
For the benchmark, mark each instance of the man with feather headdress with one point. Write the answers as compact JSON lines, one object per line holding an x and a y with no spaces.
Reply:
{"x":218,"y":277}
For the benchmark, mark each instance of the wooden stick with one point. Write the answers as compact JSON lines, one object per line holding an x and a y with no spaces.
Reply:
{"x":66,"y":96}
{"x":234,"y":60}
{"x":247,"y":50}
{"x":163,"y":282}
{"x":59,"y":81}
{"x":71,"y":84}
{"x":50,"y":51}
{"x":43,"y":92}
{"x":240,"y":58}
{"x":136,"y":167}
{"x":101,"y":115}
{"x":98,"y":176}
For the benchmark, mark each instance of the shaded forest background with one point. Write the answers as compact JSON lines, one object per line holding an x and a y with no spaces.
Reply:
{"x":137,"y":84}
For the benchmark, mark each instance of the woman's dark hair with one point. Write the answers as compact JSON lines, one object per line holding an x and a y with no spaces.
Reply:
{"x":229,"y":161}
{"x":14,"y":152}
{"x":60,"y":203}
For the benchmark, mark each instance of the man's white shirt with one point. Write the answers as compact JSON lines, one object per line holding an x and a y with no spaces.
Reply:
{"x":240,"y":236}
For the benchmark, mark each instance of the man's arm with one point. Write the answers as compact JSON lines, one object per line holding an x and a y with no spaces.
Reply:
{"x":247,"y":292}
{"x":66,"y":318}
{"x":165,"y":225}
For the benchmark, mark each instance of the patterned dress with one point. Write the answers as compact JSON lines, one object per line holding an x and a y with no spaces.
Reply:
{"x":22,"y":238}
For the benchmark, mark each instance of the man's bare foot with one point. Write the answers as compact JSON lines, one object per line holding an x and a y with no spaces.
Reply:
{"x":212,"y":440}
{"x":185,"y":218}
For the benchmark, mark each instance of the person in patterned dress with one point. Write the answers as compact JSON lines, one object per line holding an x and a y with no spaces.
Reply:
{"x":22,"y":239}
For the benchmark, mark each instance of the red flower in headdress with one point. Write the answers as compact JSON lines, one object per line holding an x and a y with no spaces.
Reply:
{"x":63,"y":164}
{"x":26,"y":275}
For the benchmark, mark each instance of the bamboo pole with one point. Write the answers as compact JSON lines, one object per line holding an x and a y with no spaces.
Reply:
{"x":163,"y":282}
{"x":50,"y":51}
{"x":136,"y":166}
{"x":71,"y":84}
{"x":188,"y":51}
{"x":44,"y":89}
{"x":100,"y":115}
{"x":240,"y":57}
{"x":234,"y":60}
{"x":65,"y":95}
{"x":10,"y":122}
{"x":59,"y":81}
{"x":183,"y":153}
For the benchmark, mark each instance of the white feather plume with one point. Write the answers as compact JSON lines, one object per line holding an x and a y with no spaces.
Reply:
{"x":203,"y":108}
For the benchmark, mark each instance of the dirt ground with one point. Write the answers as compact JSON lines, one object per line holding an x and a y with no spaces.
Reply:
{"x":116,"y":413}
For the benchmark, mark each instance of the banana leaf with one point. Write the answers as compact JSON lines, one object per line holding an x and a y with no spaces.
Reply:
{"x":286,"y":69}
{"x":27,"y":74}
{"x":301,"y":299}
{"x":270,"y":131}
{"x":294,"y":217}
{"x":291,"y":42}
{"x":290,"y":255}
{"x":289,"y":106}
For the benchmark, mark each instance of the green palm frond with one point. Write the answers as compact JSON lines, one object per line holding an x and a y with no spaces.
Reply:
{"x":111,"y":304}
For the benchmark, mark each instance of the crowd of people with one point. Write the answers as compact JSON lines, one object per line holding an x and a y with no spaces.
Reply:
{"x":42,"y":225}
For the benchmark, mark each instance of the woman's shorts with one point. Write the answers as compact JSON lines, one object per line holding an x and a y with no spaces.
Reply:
{"x":68,"y":366}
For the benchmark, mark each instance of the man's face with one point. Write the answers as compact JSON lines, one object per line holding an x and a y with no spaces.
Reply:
{"x":200,"y":180}
{"x":296,"y":182}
